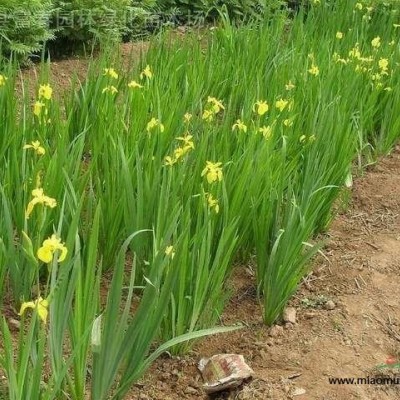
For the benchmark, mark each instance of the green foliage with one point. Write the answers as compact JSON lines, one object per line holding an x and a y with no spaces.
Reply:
{"x":236,"y":9}
{"x":24,"y":26}
{"x":140,"y":18}
{"x":87,"y":20}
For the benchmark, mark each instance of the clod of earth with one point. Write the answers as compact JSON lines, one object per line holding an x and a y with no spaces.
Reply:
{"x":289,"y":315}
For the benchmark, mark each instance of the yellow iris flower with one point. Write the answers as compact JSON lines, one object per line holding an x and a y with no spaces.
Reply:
{"x":213,"y":172}
{"x":376,"y":42}
{"x":266,"y":131}
{"x":261,"y":107}
{"x":37,"y":108}
{"x":216,"y":105}
{"x":36,"y":147}
{"x":187,"y":118}
{"x":281,"y":104}
{"x":288,"y":122}
{"x":383,"y":64}
{"x":39,"y":198}
{"x":180,"y":152}
{"x":3,"y":80}
{"x":289,"y":86}
{"x":169,"y":161}
{"x":314,"y":70}
{"x":146,"y":73}
{"x":154,"y":123}
{"x":134,"y":85}
{"x":213,"y":203}
{"x":170,"y":251}
{"x":49,"y":247}
{"x":45,"y":92}
{"x":110,"y":89}
{"x":187,"y":141}
{"x":208,"y":115}
{"x":40,"y":304}
{"x":111,"y":72}
{"x":240,"y":126}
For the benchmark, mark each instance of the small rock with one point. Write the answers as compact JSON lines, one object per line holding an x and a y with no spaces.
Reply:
{"x":330,"y":305}
{"x":289,"y":315}
{"x":166,"y":376}
{"x":224,"y":372}
{"x":190,"y":390}
{"x":263,"y":355}
{"x":14,"y":322}
{"x":286,"y":388}
{"x":276,"y":331}
{"x":298,"y":391}
{"x":194,"y":384}
{"x":161,"y":385}
{"x":318,"y":272}
{"x":309,"y":315}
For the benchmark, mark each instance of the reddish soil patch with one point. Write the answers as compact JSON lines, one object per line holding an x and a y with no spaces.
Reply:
{"x":63,"y":72}
{"x":359,"y":273}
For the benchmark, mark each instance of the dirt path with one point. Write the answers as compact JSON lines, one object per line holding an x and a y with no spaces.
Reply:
{"x":360,"y":274}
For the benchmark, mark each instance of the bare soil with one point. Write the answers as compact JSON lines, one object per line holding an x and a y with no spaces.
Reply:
{"x":63,"y":72}
{"x":359,"y":272}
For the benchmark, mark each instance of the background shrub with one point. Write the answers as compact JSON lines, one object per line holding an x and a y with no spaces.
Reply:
{"x":86,"y":20}
{"x":237,"y":9}
{"x":141,"y":17}
{"x":24,"y":26}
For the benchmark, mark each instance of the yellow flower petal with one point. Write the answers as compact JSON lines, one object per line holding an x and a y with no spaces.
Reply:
{"x":261,"y":107}
{"x":63,"y":254}
{"x":45,"y":254}
{"x":30,"y":207}
{"x":49,"y":247}
{"x":134,"y":84}
{"x":45,"y":92}
{"x":25,"y":306}
{"x":40,"y":304}
{"x":43,"y":312}
{"x":170,"y":251}
{"x":111,"y":73}
{"x":146,"y":73}
{"x":3,"y":80}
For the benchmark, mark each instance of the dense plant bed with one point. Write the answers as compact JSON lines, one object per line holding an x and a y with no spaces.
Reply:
{"x":211,"y":149}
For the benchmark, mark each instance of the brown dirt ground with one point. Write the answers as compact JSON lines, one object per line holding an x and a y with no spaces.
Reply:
{"x":359,"y":273}
{"x":63,"y":72}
